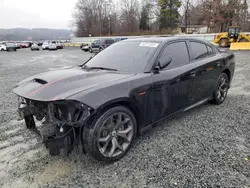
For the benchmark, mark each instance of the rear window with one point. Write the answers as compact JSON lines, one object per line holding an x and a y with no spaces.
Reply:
{"x":199,"y":50}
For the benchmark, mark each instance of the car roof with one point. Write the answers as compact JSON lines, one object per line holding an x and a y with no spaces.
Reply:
{"x":161,"y":39}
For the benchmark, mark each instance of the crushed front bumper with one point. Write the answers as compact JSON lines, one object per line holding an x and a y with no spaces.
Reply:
{"x":57,"y":136}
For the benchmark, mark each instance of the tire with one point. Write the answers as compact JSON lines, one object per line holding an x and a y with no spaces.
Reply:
{"x":90,"y":50}
{"x":30,"y":122}
{"x":224,"y":43}
{"x":220,"y":93}
{"x":2,"y":49}
{"x":101,"y":125}
{"x":100,"y":49}
{"x":243,"y":40}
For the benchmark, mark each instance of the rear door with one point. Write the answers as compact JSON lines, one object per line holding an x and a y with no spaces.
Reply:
{"x":172,"y":86}
{"x":207,"y":71}
{"x":108,"y":42}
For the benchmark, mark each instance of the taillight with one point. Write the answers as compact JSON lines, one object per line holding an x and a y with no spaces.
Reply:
{"x":105,"y":45}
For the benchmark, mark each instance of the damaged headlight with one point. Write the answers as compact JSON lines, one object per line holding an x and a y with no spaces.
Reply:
{"x":69,"y":112}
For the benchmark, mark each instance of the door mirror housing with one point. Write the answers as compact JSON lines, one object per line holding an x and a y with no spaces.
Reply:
{"x":165,"y":62}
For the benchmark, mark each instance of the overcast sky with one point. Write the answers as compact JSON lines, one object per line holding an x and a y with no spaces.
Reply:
{"x":36,"y":13}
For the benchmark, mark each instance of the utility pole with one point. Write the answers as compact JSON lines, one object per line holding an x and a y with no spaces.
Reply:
{"x":186,"y":15}
{"x":245,"y":14}
{"x":108,"y":3}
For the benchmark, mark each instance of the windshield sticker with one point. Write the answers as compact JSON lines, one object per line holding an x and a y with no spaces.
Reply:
{"x":149,"y":44}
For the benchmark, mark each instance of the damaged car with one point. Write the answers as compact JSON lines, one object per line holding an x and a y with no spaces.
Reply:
{"x":102,"y":105}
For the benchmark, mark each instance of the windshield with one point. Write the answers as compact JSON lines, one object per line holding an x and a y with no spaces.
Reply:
{"x":10,"y":44}
{"x":125,"y":56}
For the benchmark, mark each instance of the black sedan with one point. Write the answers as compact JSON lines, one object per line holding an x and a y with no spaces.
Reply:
{"x":102,"y":105}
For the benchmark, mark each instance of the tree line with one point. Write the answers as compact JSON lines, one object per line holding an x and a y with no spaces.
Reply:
{"x":134,"y":17}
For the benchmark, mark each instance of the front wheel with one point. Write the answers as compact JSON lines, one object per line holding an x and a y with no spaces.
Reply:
{"x":111,"y":134}
{"x":220,"y":93}
{"x":224,"y":43}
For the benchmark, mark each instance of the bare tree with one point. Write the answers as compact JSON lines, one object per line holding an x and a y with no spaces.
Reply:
{"x":130,"y":15}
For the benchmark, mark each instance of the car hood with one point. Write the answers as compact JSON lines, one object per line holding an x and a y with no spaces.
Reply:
{"x":61,"y":84}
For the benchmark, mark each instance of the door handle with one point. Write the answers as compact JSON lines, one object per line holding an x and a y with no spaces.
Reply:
{"x":192,"y":74}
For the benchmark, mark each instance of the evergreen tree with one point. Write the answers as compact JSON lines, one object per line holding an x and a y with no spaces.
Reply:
{"x":169,"y":13}
{"x":144,"y":21}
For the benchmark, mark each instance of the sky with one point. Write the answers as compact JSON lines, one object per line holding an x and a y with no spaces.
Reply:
{"x":36,"y":13}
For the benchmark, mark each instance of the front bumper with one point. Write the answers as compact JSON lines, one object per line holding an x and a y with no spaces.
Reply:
{"x":57,"y":136}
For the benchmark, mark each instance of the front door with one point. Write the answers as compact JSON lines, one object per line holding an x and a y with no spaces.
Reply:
{"x":96,"y":45}
{"x":173,"y":85}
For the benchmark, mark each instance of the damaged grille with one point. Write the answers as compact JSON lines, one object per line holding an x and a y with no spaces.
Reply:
{"x":65,"y":112}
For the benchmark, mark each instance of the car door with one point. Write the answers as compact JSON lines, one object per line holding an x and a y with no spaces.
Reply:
{"x":207,"y":71}
{"x":172,"y":86}
{"x":96,"y":45}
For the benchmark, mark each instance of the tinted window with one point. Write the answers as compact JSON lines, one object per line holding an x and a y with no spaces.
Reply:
{"x":125,"y":56}
{"x":109,"y":41}
{"x":199,"y":50}
{"x":179,"y":53}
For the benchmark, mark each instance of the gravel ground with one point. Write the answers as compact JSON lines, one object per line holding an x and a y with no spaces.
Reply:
{"x":208,"y":146}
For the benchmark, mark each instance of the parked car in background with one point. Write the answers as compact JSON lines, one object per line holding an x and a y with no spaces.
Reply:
{"x":58,"y":44}
{"x":10,"y":47}
{"x":3,"y":47}
{"x":34,"y":46}
{"x":123,"y":91}
{"x":85,"y":47}
{"x":24,"y":45}
{"x":17,"y":45}
{"x":45,"y":45}
{"x":52,"y":46}
{"x":40,"y":43}
{"x":120,"y":39}
{"x":101,"y":44}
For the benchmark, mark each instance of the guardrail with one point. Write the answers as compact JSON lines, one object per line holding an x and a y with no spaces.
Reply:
{"x":78,"y":41}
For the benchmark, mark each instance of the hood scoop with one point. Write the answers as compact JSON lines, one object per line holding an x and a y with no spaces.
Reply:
{"x":40,"y":81}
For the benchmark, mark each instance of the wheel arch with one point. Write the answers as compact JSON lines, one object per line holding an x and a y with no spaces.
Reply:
{"x":227,"y":71}
{"x":119,"y":102}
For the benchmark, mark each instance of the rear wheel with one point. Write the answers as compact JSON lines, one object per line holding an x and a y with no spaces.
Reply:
{"x":221,"y":90}
{"x":111,"y":134}
{"x":224,"y":43}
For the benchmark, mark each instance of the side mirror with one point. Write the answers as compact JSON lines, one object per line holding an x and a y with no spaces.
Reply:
{"x":165,"y":62}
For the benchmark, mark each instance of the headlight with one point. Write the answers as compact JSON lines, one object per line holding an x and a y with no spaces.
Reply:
{"x":69,"y":112}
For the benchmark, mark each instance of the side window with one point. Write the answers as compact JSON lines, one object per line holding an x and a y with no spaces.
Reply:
{"x":179,"y":53}
{"x":199,"y":50}
{"x":210,"y":50}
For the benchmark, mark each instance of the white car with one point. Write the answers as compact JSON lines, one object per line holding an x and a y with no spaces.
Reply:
{"x":86,"y":48}
{"x":45,"y":46}
{"x":3,"y":47}
{"x":58,"y":44}
{"x":52,"y":46}
{"x":34,"y":46}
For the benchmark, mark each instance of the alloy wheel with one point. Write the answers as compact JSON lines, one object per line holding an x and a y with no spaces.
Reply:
{"x":115,"y":135}
{"x":222,"y":88}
